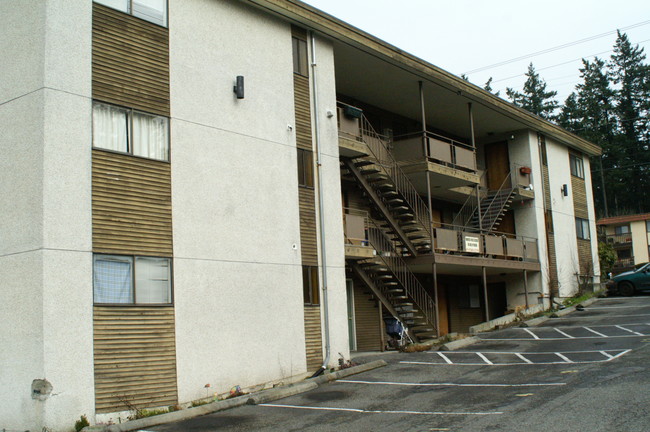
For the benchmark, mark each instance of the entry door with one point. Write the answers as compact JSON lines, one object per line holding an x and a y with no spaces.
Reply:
{"x":351,"y":327}
{"x":498,"y":165}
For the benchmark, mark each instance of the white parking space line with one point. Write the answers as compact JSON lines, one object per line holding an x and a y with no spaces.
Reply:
{"x":620,"y":354}
{"x":571,"y":317}
{"x":532,"y":334}
{"x":564,"y":334}
{"x":363,"y":411}
{"x":606,"y":354}
{"x":485,"y":359}
{"x":563,"y":357}
{"x":561,"y":339}
{"x":407,"y":384}
{"x":523,"y":358}
{"x":631,"y":331}
{"x":445,"y":358}
{"x":531,"y":352}
{"x":594,"y":332}
{"x":616,"y":307}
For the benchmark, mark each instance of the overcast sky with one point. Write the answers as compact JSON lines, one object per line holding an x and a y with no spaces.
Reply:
{"x":463,"y":35}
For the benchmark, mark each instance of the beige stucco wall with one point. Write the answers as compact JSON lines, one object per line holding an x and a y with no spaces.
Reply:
{"x":45,"y":231}
{"x":639,"y":241}
{"x":237,"y":262}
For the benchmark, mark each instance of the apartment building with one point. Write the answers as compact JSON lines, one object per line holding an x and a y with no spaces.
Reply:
{"x":629,"y":236}
{"x":210,"y":193}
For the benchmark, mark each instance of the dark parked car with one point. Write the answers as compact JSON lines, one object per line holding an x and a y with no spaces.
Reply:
{"x":630,"y":282}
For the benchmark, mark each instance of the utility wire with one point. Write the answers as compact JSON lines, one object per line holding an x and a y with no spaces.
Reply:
{"x":559,"y":47}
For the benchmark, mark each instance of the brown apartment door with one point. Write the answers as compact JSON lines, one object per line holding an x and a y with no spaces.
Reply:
{"x":498,"y":164}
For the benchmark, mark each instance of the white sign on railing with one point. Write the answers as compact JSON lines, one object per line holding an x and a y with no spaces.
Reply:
{"x":472,"y":244}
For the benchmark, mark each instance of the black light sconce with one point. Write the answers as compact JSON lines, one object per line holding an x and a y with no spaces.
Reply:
{"x":565,"y":190}
{"x":239,"y":87}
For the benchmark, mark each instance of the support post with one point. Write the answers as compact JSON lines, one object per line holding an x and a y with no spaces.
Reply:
{"x":485,"y":295}
{"x":435,"y":297}
{"x":526,"y":287}
{"x":382,"y":339}
{"x":425,"y":150}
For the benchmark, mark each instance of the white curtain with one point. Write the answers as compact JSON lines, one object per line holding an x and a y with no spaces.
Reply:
{"x":110,"y":129}
{"x":150,"y":136}
{"x":151,"y":10}
{"x":152,"y":280}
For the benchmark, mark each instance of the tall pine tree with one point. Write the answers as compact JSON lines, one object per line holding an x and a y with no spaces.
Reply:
{"x":630,"y":150}
{"x":534,"y":96}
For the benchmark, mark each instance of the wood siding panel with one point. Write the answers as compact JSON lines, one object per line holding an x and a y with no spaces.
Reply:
{"x":134,"y":357}
{"x":130,"y":61}
{"x":308,"y":236}
{"x":302,"y":112}
{"x":366,"y":320}
{"x":313,"y":338}
{"x":550,"y":237}
{"x":584,"y":257}
{"x":131,"y":205}
{"x":579,"y":191}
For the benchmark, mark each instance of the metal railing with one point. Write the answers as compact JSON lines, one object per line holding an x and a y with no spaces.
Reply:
{"x":624,"y":262}
{"x":619,"y":239}
{"x":456,"y":239}
{"x":391,"y":257}
{"x":442,"y":150}
{"x":383,"y":158}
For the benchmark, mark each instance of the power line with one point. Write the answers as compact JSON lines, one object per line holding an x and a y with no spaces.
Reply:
{"x":559,"y":47}
{"x":563,"y":63}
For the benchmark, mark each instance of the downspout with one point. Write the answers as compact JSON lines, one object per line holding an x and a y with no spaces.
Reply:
{"x":321,"y":207}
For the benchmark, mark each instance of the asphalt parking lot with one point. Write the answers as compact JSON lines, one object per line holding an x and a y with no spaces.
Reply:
{"x":586,"y":371}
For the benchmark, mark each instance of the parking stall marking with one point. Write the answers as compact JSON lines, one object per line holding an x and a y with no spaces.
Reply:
{"x":410,"y":384}
{"x":631,"y":331}
{"x":444,"y":357}
{"x":363,"y":411}
{"x":594,"y":331}
{"x":532,"y":334}
{"x":529,"y":359}
{"x":564,"y":334}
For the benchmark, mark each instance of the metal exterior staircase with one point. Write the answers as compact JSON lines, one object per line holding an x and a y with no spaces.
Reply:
{"x":492,"y":209}
{"x":391,"y":192}
{"x":390,"y":280}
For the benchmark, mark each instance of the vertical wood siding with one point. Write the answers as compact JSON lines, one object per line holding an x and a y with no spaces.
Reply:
{"x":366,"y":320}
{"x":313,"y":338}
{"x":131,"y":205}
{"x":130,"y":60}
{"x":134,"y":357}
{"x":550,"y":237}
{"x":580,"y":209}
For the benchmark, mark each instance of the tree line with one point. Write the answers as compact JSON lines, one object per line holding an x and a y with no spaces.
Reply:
{"x":610,"y":107}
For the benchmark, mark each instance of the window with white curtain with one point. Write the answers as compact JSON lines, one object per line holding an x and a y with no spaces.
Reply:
{"x":119,"y":279}
{"x":154,"y":11}
{"x":128,"y":131}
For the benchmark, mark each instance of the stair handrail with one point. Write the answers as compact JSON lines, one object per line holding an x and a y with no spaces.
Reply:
{"x":494,"y":199}
{"x":380,"y":152}
{"x":468,"y":209}
{"x":390,"y":256}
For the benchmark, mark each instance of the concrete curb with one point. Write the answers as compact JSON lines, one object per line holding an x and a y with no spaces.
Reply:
{"x":565,"y":311}
{"x":349,"y":371}
{"x":254,"y":399}
{"x":460,"y":343}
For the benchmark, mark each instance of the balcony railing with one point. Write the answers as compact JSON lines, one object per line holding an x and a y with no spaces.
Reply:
{"x":469,"y":242}
{"x":435,"y":148}
{"x":619,"y":239}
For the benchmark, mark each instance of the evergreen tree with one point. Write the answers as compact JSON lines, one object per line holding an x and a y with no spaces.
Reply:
{"x":488,"y":87}
{"x":534,"y":97}
{"x":630,"y":153}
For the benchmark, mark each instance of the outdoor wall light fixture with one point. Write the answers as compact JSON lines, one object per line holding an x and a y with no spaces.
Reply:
{"x":565,"y":190}
{"x":239,"y":87}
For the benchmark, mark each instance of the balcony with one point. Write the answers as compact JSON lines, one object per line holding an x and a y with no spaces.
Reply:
{"x":451,"y":164}
{"x":355,"y":223}
{"x":619,"y":240}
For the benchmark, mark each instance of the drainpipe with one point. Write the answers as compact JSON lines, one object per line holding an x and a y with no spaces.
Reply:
{"x":321,"y":207}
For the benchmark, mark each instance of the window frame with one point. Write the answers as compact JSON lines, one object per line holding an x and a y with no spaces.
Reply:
{"x":647,"y":226}
{"x":310,"y":285}
{"x":133,"y":261}
{"x":130,"y":131}
{"x":618,"y":230}
{"x":577,"y":166}
{"x":305,"y":168}
{"x":300,"y":55}
{"x":582,"y":226}
{"x":129,"y":11}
